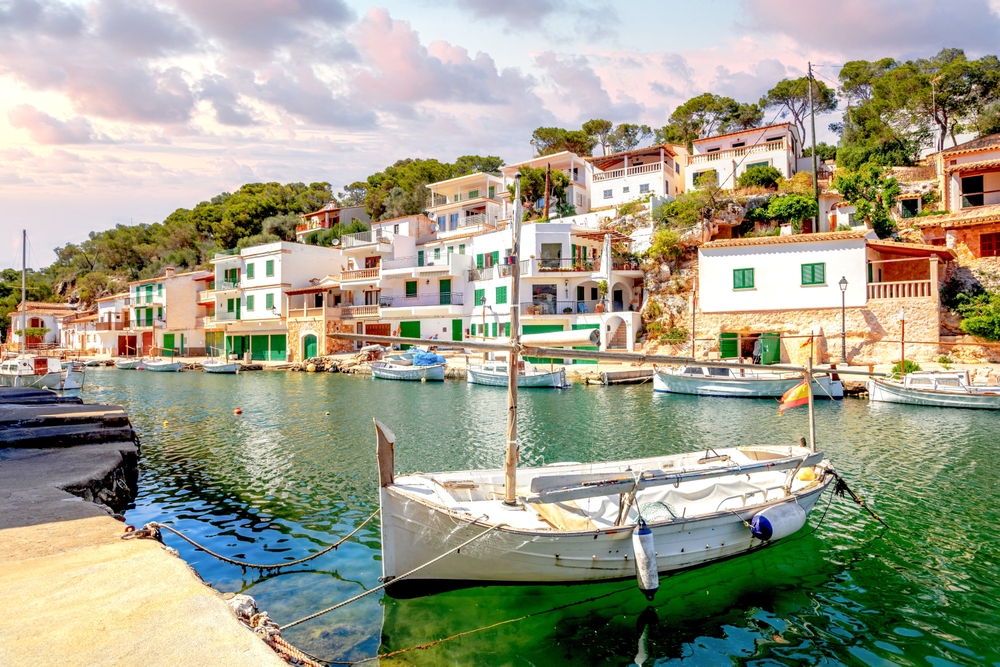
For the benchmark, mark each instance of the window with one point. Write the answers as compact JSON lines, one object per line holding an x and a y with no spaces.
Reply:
{"x":770,"y":139}
{"x":480,"y":297}
{"x":456,"y":197}
{"x":502,"y":294}
{"x":644,"y":188}
{"x":230,"y":305}
{"x":909,"y":207}
{"x":250,"y":271}
{"x":713,"y":150}
{"x":739,"y":144}
{"x":451,"y":251}
{"x":472,"y":329}
{"x":159,"y":313}
{"x":159,"y":289}
{"x":493,"y":191}
{"x":437,"y":253}
{"x":269,"y":301}
{"x":461,"y":248}
{"x":411,"y":289}
{"x":250,"y":302}
{"x":474,"y":194}
{"x":479,"y":261}
{"x":989,"y":245}
{"x":579,"y":200}
{"x":395,"y":229}
{"x":742,"y":278}
{"x":608,"y":194}
{"x":269,"y":268}
{"x":677,"y":167}
{"x":765,"y":163}
{"x":625,"y":190}
{"x":442,"y":223}
{"x":420,"y":258}
{"x":972,"y":191}
{"x":814,"y":274}
{"x":453,"y":222}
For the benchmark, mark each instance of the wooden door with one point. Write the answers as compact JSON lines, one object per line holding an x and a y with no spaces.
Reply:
{"x":445,"y":291}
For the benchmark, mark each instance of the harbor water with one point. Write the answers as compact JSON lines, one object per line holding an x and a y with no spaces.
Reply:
{"x":296,"y":471}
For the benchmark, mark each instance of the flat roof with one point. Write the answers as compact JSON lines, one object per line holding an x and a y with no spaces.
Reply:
{"x":464,"y":177}
{"x":752,"y":129}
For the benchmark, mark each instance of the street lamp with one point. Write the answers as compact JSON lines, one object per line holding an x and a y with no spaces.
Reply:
{"x":843,"y":319}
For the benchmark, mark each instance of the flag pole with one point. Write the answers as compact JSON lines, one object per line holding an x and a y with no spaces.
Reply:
{"x":812,"y":412}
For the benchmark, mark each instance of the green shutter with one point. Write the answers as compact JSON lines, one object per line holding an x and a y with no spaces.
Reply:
{"x":742,"y":278}
{"x":420,"y":258}
{"x":159,"y":312}
{"x":269,"y":301}
{"x":149,"y":317}
{"x":411,"y":288}
{"x":770,"y":348}
{"x":269,"y":268}
{"x":249,"y":302}
{"x":494,"y":329}
{"x":409,"y":330}
{"x":472,"y":329}
{"x":230,"y":308}
{"x":437,"y":253}
{"x":579,"y":327}
{"x":159,"y":289}
{"x":506,"y":329}
{"x":814,"y":274}
{"x":501,"y":294}
{"x":493,"y":191}
{"x":479,"y":261}
{"x":480,"y":297}
{"x":259,"y":347}
{"x":461,"y":248}
{"x":278,"y":352}
{"x":728,"y":345}
{"x":250,"y":270}
{"x":496,"y":257}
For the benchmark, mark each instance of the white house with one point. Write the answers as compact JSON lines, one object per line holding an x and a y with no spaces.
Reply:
{"x":113,"y":320}
{"x":578,"y":169}
{"x":44,"y":318}
{"x":164,"y":317}
{"x":327,"y":217}
{"x":731,"y":154}
{"x":624,"y":177}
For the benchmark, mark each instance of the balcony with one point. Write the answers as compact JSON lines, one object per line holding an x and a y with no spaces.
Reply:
{"x":903,"y":289}
{"x":582,"y":307}
{"x":428,"y":299}
{"x":360,"y":274}
{"x":369,"y":238}
{"x":631,"y":171}
{"x":206,"y":296}
{"x":977,"y":199}
{"x":547,"y":267}
{"x":733,"y":153}
{"x":110,"y":326}
{"x":491,"y":272}
{"x":436,"y":200}
{"x":355,"y":312}
{"x":224,"y":286}
{"x":155,"y":324}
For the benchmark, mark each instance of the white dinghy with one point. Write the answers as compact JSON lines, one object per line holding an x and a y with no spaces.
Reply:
{"x":161,"y":365}
{"x":496,"y":373}
{"x":594,"y":521}
{"x":220,"y":366}
{"x":740,"y":383}
{"x":940,"y":389}
{"x":128,"y":364}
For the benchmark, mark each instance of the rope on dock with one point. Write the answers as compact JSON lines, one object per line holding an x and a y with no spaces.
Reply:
{"x":399,"y":578}
{"x":149,"y":531}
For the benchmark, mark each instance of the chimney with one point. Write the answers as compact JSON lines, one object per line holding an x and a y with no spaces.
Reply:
{"x":168,"y":272}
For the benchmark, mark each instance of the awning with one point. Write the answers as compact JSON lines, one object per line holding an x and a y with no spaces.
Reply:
{"x":912,"y":249}
{"x":616,"y":237}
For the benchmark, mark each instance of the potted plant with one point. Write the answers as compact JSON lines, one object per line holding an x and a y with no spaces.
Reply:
{"x":602,"y":291}
{"x":567,"y":310}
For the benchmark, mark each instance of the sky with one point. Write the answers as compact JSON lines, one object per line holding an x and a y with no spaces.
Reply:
{"x":120,"y":111}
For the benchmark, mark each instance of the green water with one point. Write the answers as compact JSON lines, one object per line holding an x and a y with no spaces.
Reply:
{"x":284,"y":479}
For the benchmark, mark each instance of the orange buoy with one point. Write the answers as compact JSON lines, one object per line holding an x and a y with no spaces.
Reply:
{"x":237,"y":411}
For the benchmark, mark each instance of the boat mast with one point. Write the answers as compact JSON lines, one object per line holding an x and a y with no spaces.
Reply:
{"x":812,"y":410}
{"x":24,"y":288}
{"x":510,"y":463}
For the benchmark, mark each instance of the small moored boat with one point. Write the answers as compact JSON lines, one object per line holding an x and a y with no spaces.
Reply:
{"x":128,"y":364}
{"x":28,"y":370}
{"x":412,"y":367}
{"x":940,"y":389}
{"x":712,"y":381}
{"x":161,"y":365}
{"x":494,"y":373}
{"x":220,"y":366}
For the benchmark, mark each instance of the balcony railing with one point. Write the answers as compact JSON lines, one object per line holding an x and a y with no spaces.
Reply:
{"x":903,"y":289}
{"x":631,"y":171}
{"x":763,"y":147}
{"x":222,"y":285}
{"x":360,"y":274}
{"x":984,"y":198}
{"x":227,"y":253}
{"x":428,"y":299}
{"x":491,"y":272}
{"x":110,"y":326}
{"x":354,"y":312}
{"x":371,"y":237}
{"x":469,"y":195}
{"x":205,"y":296}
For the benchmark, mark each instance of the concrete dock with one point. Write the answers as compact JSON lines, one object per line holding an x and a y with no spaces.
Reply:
{"x":75,"y":593}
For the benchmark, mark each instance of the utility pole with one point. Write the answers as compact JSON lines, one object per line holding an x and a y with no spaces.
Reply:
{"x":548,"y":173}
{"x":812,"y":118}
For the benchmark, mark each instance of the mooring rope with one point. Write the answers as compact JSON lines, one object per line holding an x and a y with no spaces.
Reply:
{"x":841,"y":488}
{"x":147,"y":532}
{"x":399,"y":578}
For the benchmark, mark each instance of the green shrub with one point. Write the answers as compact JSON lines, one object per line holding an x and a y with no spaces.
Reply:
{"x":674,"y":335}
{"x":763,"y":176}
{"x":843,"y":228}
{"x":910,"y":366}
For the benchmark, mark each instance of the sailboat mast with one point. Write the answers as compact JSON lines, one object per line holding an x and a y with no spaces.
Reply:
{"x":24,"y":288}
{"x":510,"y":463}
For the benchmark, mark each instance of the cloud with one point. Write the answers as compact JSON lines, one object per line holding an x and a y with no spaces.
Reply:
{"x":220,"y":92}
{"x":579,"y":86}
{"x":592,"y":21}
{"x":865,"y":29}
{"x":44,"y":129}
{"x":51,"y":19}
{"x":749,"y":86}
{"x":142,"y":29}
{"x":522,"y":14}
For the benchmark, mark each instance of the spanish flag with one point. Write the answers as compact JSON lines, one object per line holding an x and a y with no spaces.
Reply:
{"x":794,"y":397}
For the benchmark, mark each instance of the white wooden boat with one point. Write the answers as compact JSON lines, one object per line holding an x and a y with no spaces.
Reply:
{"x":742,"y":383}
{"x":389,"y":370}
{"x":219,"y":366}
{"x":494,"y":373}
{"x":942,"y":389}
{"x":128,"y":364}
{"x":28,"y":370}
{"x":161,"y":365}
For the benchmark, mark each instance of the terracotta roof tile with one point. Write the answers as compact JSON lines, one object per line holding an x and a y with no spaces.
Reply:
{"x":972,"y":166}
{"x":981,"y":215}
{"x":911,"y":249}
{"x":989,"y":141}
{"x":794,"y":238}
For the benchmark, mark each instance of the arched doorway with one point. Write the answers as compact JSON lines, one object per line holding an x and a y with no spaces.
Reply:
{"x":308,"y":347}
{"x":616,"y":334}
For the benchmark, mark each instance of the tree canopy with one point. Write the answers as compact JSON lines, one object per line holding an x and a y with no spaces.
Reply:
{"x":708,"y":114}
{"x":791,"y":97}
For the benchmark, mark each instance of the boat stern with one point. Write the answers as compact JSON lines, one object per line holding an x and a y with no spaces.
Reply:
{"x":385,"y":455}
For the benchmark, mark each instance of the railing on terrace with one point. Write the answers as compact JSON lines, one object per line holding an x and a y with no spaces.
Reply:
{"x":227,"y":253}
{"x":582,"y":307}
{"x":903,"y":289}
{"x":428,"y":299}
{"x":221,"y":285}
{"x":354,"y":312}
{"x":414,"y":261}
{"x":631,"y":171}
{"x":110,"y":326}
{"x":763,"y":147}
{"x":370,"y":237}
{"x":571,"y":265}
{"x":984,"y":198}
{"x":205,"y":295}
{"x":491,"y":272}
{"x":360,"y":274}
{"x":224,"y":317}
{"x":469,"y":195}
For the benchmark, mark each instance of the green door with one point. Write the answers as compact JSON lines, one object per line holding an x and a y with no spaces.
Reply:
{"x":456,"y":329}
{"x":277,"y":351}
{"x":258,"y":348}
{"x":729,"y":347}
{"x":168,"y":345}
{"x":409,"y":330}
{"x":149,"y":317}
{"x":236,"y":345}
{"x":770,"y":348}
{"x":182,"y":345}
{"x":309,"y":347}
{"x":578,"y":327}
{"x":541,"y":328}
{"x":445,"y":291}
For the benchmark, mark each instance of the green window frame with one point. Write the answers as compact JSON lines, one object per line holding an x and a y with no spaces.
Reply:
{"x":814,"y":273}
{"x":501,"y":294}
{"x":411,"y":289}
{"x":269,"y":268}
{"x":437,"y":253}
{"x":743,"y":279}
{"x":250,"y":302}
{"x":230,"y":305}
{"x":473,"y":194}
{"x":159,"y":312}
{"x":250,"y":270}
{"x":479,"y":261}
{"x":269,"y":301}
{"x":480,"y":297}
{"x":493,"y":192}
{"x":159,"y":289}
{"x":461,"y":248}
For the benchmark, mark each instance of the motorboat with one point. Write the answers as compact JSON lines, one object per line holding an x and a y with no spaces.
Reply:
{"x":494,"y":373}
{"x":128,"y":364}
{"x":28,"y":370}
{"x":220,"y":366}
{"x":942,"y":389}
{"x":161,"y":365}
{"x":737,"y":382}
{"x":410,"y":366}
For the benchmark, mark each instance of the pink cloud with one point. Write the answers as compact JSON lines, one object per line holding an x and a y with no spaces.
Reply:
{"x":44,"y":129}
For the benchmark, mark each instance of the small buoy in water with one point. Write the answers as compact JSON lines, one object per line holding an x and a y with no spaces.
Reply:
{"x":778,"y":521}
{"x":327,"y":413}
{"x":806,"y":475}
{"x":645,"y":560}
{"x":237,"y":411}
{"x":165,"y":423}
{"x":423,"y":379}
{"x":311,"y":368}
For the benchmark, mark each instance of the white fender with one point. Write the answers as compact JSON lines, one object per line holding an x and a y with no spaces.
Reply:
{"x":778,"y":521}
{"x":645,"y":559}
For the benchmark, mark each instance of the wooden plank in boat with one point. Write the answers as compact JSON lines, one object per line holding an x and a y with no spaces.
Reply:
{"x":565,"y":515}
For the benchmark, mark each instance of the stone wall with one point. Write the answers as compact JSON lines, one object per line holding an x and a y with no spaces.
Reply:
{"x":300,"y":327}
{"x":339,"y":346}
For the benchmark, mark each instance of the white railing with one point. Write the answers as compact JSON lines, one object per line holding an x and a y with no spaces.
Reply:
{"x":221,"y":285}
{"x":360,"y":274}
{"x":442,"y":200}
{"x":764,"y":147}
{"x":365,"y":238}
{"x":631,"y":171}
{"x":903,"y":289}
{"x":205,"y":295}
{"x":608,"y":175}
{"x":355,"y":312}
